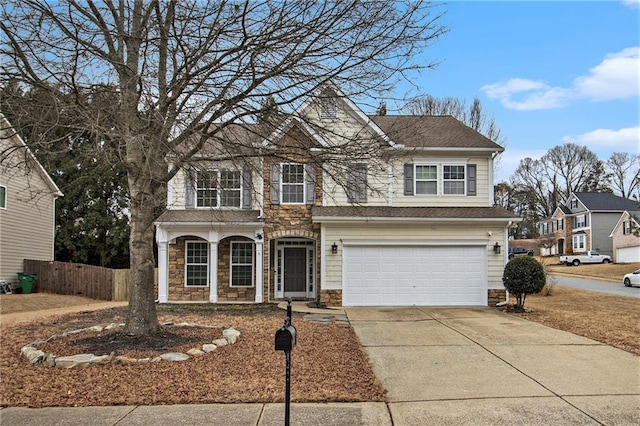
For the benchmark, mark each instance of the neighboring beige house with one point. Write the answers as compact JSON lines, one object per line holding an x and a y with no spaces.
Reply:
{"x":27,"y":205}
{"x":411,"y":223}
{"x":625,"y":238}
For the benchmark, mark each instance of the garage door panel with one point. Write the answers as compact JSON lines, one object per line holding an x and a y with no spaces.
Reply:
{"x":406,"y":276}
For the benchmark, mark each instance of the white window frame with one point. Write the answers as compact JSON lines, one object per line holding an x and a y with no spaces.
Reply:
{"x":187,"y":264}
{"x":3,"y":197}
{"x":463,"y":180}
{"x":579,"y":242}
{"x":583,"y":223}
{"x":219,"y":190}
{"x":545,"y":228}
{"x":231,"y":264}
{"x":283,"y":183}
{"x":560,"y":224}
{"x":574,"y":203}
{"x":416,"y":180}
{"x":626,"y":227}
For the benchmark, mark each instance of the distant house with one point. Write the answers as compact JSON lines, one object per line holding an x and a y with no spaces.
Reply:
{"x":625,"y":238}
{"x":27,"y":205}
{"x":584,"y":222}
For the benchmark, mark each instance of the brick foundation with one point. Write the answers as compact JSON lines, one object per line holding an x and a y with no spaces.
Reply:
{"x":331,"y":298}
{"x":496,"y":295}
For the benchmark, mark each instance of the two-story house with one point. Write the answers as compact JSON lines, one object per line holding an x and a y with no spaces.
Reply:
{"x":27,"y":205}
{"x":584,"y":222}
{"x":340,"y":208}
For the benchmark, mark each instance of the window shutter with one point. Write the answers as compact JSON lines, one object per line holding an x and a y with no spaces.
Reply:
{"x":274,"y":184}
{"x":246,"y":188}
{"x":189,"y":190}
{"x":408,"y":179}
{"x":310,"y":182}
{"x":471,"y":179}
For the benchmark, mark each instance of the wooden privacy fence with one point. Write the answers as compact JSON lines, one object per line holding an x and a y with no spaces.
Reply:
{"x":78,"y":279}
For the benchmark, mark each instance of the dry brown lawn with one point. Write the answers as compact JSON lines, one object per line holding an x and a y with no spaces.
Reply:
{"x":328,"y":364}
{"x":608,"y":271}
{"x":613,"y":320}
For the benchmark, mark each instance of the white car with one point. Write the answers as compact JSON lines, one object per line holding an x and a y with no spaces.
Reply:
{"x":632,"y":279}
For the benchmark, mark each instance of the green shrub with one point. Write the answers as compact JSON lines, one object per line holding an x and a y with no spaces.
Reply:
{"x":522,"y":276}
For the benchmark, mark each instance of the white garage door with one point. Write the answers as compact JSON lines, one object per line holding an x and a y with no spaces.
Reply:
{"x":628,"y":255}
{"x":414,"y":276}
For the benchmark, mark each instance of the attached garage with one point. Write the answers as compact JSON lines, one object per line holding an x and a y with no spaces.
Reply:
{"x":396,"y":274}
{"x":628,"y":255}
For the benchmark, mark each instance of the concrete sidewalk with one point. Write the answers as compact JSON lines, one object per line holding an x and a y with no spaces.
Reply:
{"x":337,"y":414}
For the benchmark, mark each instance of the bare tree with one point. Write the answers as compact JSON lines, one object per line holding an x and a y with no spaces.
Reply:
{"x":473,"y":116}
{"x":624,"y":171}
{"x":186,"y":72}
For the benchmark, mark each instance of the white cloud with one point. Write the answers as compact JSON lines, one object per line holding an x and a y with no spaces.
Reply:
{"x":622,"y":140}
{"x":631,"y":3}
{"x":616,"y":77}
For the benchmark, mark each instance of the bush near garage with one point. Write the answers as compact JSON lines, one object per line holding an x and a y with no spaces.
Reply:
{"x":523,"y":276}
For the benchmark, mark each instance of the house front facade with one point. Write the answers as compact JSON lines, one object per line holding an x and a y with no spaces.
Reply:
{"x":27,"y":205}
{"x":339,"y":208}
{"x":583,"y":222}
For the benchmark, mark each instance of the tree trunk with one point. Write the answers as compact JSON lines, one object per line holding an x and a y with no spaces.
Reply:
{"x":142,"y":318}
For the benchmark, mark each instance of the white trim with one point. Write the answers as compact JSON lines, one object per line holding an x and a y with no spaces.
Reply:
{"x":390,"y":183}
{"x":259,"y":285}
{"x":163,"y":272}
{"x":213,"y":271}
{"x":364,"y":219}
{"x":323,"y":256}
{"x":442,"y":242}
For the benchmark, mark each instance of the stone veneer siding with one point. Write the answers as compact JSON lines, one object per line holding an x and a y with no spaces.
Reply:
{"x":496,"y":295}
{"x":331,"y":298}
{"x":179,"y":293}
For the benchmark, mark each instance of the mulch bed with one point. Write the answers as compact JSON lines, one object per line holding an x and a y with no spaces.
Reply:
{"x":328,"y":364}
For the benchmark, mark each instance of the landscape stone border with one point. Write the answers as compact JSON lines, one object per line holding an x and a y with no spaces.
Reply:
{"x":36,"y":356}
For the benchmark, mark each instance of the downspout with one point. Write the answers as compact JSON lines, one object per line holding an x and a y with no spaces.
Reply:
{"x":506,"y":245}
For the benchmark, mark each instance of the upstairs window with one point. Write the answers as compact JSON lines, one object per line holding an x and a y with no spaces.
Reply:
{"x":357,"y":183}
{"x":440,"y":179}
{"x":574,"y":203}
{"x":560,"y":224}
{"x":426,"y":179}
{"x":328,"y":108}
{"x":293,"y":184}
{"x":218,"y":188}
{"x":626,"y":227}
{"x":3,"y":197}
{"x":581,"y":221}
{"x":453,"y":180}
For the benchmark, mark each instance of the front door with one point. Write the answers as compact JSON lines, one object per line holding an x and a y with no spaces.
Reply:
{"x":560,"y":246}
{"x":295,"y":276}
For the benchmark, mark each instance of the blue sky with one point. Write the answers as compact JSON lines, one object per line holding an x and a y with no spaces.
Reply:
{"x":549,"y":72}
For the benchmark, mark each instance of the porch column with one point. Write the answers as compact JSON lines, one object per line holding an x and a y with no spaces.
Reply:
{"x":213,"y":272}
{"x":163,"y":266}
{"x":259,"y":271}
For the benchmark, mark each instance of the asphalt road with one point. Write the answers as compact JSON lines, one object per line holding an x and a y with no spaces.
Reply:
{"x":595,"y":285}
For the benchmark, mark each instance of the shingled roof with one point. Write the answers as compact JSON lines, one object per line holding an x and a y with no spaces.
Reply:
{"x":210,"y":216}
{"x":432,"y":132}
{"x":604,"y":201}
{"x":383,"y":212}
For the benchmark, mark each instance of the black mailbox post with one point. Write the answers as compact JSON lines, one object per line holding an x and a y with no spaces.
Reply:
{"x":285,"y":340}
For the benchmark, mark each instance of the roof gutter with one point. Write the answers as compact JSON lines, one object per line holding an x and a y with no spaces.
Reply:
{"x":352,"y":219}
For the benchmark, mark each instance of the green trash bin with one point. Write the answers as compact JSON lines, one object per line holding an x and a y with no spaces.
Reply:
{"x":26,"y":282}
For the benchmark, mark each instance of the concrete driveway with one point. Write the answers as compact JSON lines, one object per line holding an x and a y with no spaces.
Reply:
{"x":481,"y":366}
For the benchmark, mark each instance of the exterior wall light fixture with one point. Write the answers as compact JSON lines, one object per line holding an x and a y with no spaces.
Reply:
{"x":334,"y":248}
